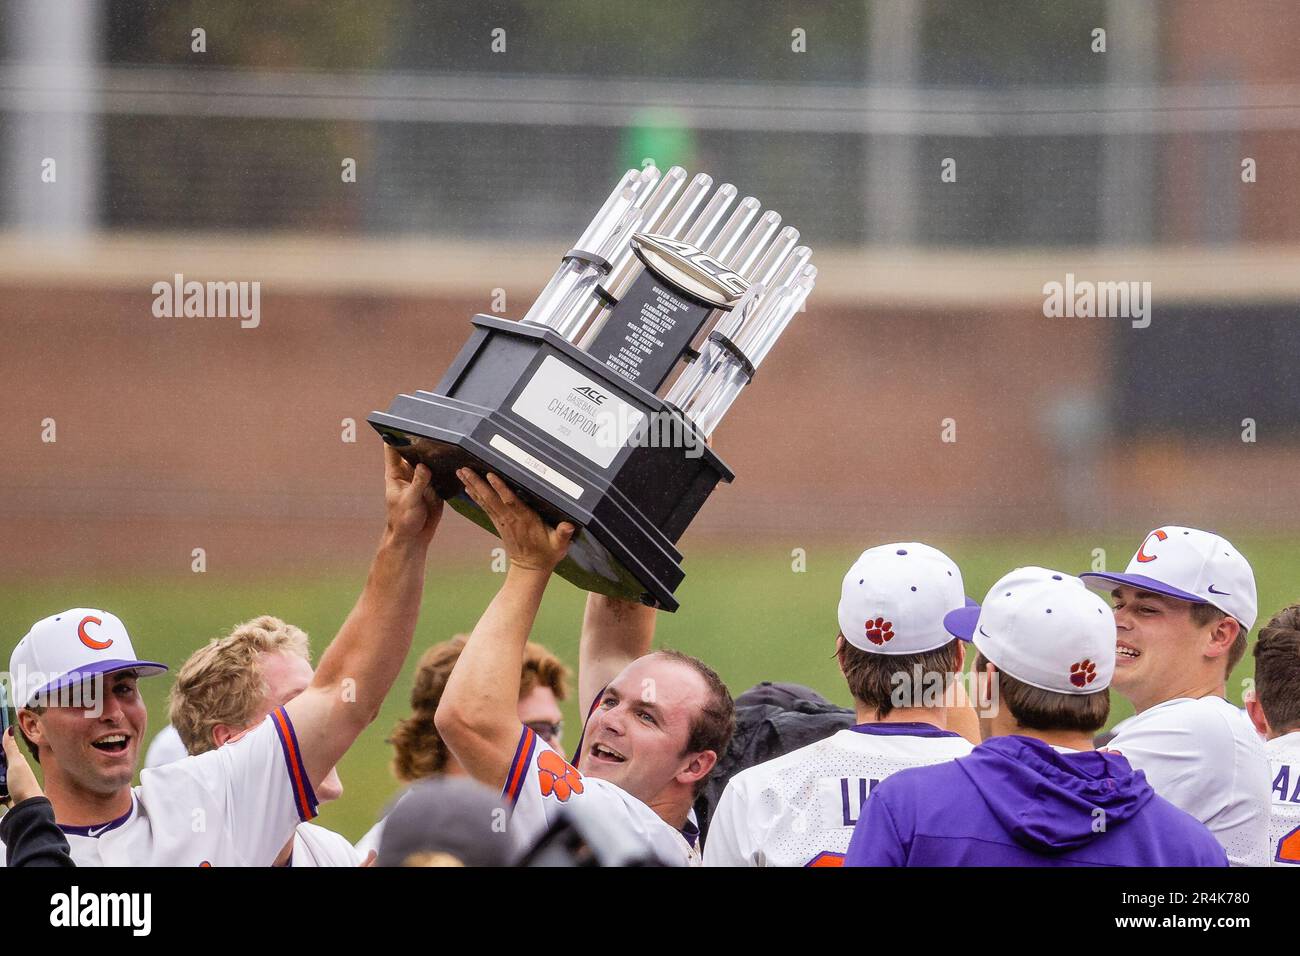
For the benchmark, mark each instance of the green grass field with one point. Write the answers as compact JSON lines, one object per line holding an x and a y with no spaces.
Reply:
{"x":745,"y":611}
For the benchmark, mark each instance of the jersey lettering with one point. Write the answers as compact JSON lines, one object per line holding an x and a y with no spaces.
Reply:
{"x":853,"y":794}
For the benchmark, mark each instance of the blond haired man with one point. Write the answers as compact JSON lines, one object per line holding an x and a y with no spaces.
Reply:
{"x":252,"y":793}
{"x":230,"y":686}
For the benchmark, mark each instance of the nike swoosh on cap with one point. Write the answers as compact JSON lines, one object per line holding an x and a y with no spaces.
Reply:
{"x":1224,"y":593}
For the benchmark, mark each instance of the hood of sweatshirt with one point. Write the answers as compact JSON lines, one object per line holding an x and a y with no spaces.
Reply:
{"x":1051,"y":801}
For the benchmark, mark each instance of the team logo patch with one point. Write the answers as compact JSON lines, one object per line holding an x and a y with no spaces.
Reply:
{"x":89,"y":641}
{"x":879,"y":631}
{"x":1142,"y":556}
{"x":557,"y":777}
{"x":1083,"y":673}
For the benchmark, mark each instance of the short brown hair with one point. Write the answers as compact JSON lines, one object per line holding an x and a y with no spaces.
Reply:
{"x":712,"y":726}
{"x":1206,"y":614}
{"x":872,"y":678}
{"x":419,"y":750}
{"x":1038,"y":709}
{"x":222,"y":682}
{"x":1277,"y":670}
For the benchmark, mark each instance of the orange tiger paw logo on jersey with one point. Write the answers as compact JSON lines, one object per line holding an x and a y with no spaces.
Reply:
{"x":880,"y":631}
{"x":1083,"y":673}
{"x":557,"y":777}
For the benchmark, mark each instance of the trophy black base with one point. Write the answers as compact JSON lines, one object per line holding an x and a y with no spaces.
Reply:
{"x":576,"y":441}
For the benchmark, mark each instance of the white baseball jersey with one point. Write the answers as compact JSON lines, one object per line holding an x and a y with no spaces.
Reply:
{"x":316,"y":846}
{"x":541,"y":782}
{"x":234,"y":806}
{"x":1284,"y":820}
{"x":800,"y":809}
{"x":374,"y":836}
{"x":1203,"y":756}
{"x":166,"y":747}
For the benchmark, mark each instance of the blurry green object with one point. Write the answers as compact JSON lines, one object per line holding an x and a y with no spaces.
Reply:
{"x":660,"y":135}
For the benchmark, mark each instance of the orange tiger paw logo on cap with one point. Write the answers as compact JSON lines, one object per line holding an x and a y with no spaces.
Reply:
{"x":880,"y":631}
{"x":1083,"y":673}
{"x":557,"y":777}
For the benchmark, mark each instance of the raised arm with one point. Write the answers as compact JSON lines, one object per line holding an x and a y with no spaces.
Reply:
{"x":359,"y":667}
{"x":614,"y":634}
{"x":478,"y":715}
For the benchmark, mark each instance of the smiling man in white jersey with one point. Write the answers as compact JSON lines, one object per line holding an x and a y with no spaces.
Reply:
{"x":1183,"y":608}
{"x":899,"y":661}
{"x":239,"y":805}
{"x":228,"y":687}
{"x":653,"y":737}
{"x":1274,"y":709}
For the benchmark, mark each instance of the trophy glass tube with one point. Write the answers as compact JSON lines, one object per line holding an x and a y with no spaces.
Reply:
{"x":693,"y":195}
{"x":725,"y":241}
{"x":653,"y":208}
{"x":626,"y":266}
{"x":692,"y":379}
{"x":761,"y":273}
{"x":744,"y":258}
{"x":755,"y":339}
{"x":656,"y":202}
{"x":572,"y":313}
{"x":549,"y":307}
{"x":567,"y":314}
{"x":766,"y":269}
{"x":726,"y":373}
{"x":713,"y":212}
{"x":636,"y":179}
{"x":783,"y":275}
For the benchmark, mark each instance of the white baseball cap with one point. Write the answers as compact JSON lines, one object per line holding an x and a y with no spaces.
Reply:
{"x":895,"y":596}
{"x":70,"y":647}
{"x":1044,"y":628}
{"x":1190,"y":565}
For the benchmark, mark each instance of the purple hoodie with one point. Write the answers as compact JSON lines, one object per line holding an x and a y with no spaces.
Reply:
{"x":1016,"y":801}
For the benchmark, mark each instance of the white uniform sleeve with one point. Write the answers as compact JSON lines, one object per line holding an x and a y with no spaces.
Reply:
{"x":371,"y":840}
{"x":1177,"y":749}
{"x":319,"y":847}
{"x":730,"y":842}
{"x":541,"y":783}
{"x":254,"y":792}
{"x":167,"y":747}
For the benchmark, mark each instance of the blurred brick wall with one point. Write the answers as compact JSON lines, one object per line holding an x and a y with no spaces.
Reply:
{"x":183,"y":433}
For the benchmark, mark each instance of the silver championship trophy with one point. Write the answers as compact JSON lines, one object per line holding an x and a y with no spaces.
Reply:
{"x":565,"y":405}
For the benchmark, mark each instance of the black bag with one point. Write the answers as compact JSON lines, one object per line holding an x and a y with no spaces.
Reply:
{"x":771,"y":720}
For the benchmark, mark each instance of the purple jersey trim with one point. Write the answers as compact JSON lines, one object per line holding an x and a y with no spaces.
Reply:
{"x":902,"y":729}
{"x":99,"y":828}
{"x":691,"y":833}
{"x":304,"y":798}
{"x":577,"y":753}
{"x":519,"y":764}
